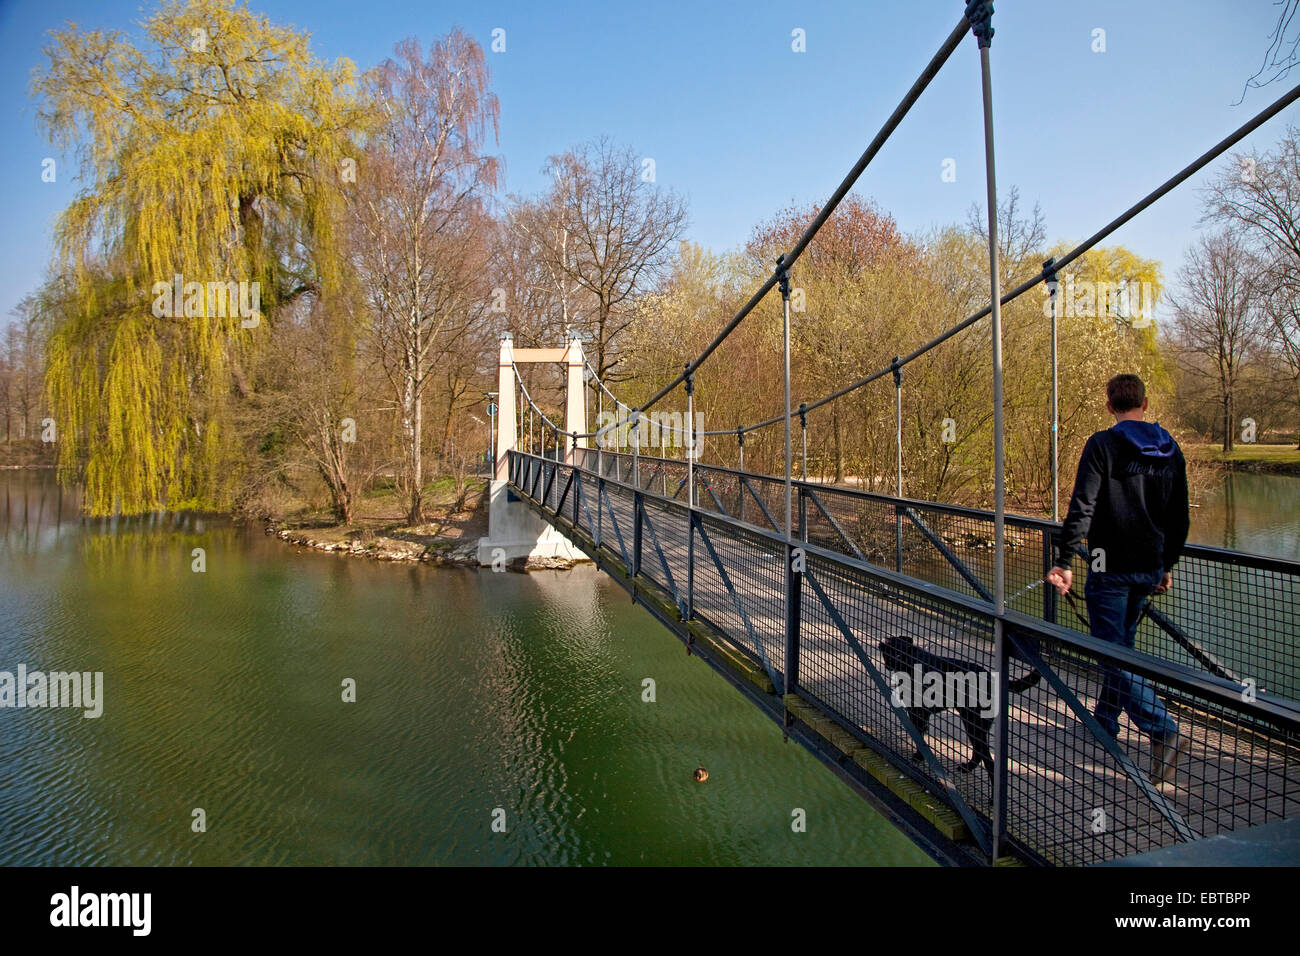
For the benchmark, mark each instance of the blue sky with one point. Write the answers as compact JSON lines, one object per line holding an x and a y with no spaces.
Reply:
{"x":742,"y":125}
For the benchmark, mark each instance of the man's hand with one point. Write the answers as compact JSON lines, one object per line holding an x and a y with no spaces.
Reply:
{"x":1165,"y":584}
{"x":1061,"y":579}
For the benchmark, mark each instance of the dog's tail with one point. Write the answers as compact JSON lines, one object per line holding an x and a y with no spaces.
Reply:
{"x":1022,"y":684}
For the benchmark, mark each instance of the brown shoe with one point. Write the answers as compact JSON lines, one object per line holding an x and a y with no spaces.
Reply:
{"x":1166,"y":755}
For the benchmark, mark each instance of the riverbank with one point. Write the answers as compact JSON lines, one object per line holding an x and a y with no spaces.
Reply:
{"x":24,"y":454}
{"x":396,"y":544}
{"x":1259,"y":458}
{"x":449,"y":537}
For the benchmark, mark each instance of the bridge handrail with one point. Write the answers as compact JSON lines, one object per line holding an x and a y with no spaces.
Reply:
{"x":1222,"y":691}
{"x":1208,"y":552}
{"x":1236,"y":626}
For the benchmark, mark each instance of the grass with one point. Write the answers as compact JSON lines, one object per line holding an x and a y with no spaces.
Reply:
{"x":1257,"y":452}
{"x":380,"y":510}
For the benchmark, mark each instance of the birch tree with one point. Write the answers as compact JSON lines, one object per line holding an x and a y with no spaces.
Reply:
{"x":421,"y":238}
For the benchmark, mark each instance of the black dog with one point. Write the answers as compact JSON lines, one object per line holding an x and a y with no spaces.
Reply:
{"x":902,"y":655}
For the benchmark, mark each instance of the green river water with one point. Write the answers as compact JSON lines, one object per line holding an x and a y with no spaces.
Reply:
{"x":475,"y":691}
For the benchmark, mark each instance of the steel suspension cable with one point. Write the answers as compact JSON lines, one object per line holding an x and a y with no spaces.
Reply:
{"x":635,"y":416}
{"x":533,"y":405}
{"x":895,"y":118}
{"x":1213,"y":153}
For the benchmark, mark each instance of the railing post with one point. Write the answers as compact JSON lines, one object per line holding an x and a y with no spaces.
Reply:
{"x":694,"y":519}
{"x":636,"y":450}
{"x":690,"y":434}
{"x":898,"y":463}
{"x":740,"y":488}
{"x":898,"y":536}
{"x":803,"y":431}
{"x":795,"y":559}
{"x":1049,"y":592}
{"x":600,"y":510}
{"x":637,"y":507}
{"x":783,"y":282}
{"x":1052,"y":287}
{"x":979,"y":13}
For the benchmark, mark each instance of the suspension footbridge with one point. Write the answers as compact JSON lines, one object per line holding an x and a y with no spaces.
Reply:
{"x":794,"y":590}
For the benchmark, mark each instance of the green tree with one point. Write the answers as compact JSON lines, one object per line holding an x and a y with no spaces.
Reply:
{"x":212,"y":151}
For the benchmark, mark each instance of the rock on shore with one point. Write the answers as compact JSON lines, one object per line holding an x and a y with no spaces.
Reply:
{"x":416,"y":548}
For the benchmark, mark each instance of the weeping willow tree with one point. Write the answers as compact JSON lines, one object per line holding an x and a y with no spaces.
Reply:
{"x":218,"y":151}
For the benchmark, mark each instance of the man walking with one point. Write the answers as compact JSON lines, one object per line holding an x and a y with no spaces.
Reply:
{"x":1130,"y":502}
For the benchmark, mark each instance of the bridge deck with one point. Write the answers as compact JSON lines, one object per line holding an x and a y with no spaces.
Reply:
{"x":1072,"y":799}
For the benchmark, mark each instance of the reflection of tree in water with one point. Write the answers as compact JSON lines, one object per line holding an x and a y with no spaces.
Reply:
{"x":33,"y":513}
{"x":1250,"y":512}
{"x":1229,"y":511}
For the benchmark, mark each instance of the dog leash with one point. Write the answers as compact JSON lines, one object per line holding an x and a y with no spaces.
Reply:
{"x":1026,"y":589}
{"x":1070,"y":597}
{"x":1074,"y":606}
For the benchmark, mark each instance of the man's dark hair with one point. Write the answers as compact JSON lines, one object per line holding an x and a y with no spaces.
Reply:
{"x":1125,"y":392}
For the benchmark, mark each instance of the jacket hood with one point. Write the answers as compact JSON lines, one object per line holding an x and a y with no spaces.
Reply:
{"x":1147,"y":439}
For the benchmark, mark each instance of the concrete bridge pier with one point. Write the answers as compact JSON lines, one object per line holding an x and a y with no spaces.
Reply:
{"x":515,"y":532}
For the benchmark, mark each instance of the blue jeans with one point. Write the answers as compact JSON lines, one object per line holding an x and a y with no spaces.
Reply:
{"x":1115,"y":602}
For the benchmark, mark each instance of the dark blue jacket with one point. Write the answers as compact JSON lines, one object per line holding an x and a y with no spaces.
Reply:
{"x":1130,"y":499}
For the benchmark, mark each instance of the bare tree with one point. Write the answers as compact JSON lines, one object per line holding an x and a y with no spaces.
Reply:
{"x":1282,"y":309}
{"x":1021,"y":237}
{"x":1283,"y":48}
{"x":22,"y":366}
{"x":7,"y":382}
{"x":320,"y":409}
{"x":607,"y":232}
{"x":1260,"y":196}
{"x":541,"y":249}
{"x":421,"y":240}
{"x":1216,"y":313}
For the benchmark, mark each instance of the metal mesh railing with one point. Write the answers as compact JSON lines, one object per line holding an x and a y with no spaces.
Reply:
{"x":1078,"y":797}
{"x":1231,"y":614}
